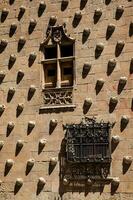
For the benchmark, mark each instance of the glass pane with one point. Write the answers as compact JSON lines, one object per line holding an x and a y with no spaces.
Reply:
{"x":50,"y":52}
{"x":67,"y":74}
{"x":50,"y":75}
{"x":66,"y":50}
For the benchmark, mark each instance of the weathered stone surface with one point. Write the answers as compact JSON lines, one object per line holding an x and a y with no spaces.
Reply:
{"x":103,"y":25}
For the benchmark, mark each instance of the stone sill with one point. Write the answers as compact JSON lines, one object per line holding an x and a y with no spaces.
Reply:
{"x":58,"y":108}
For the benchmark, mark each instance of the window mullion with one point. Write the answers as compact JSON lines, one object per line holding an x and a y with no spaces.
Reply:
{"x":58,"y":67}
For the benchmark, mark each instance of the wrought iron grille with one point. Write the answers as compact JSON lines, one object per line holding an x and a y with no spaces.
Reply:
{"x":88,"y":142}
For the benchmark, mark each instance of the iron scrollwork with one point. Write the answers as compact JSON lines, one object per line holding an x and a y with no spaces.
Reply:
{"x":87,"y":151}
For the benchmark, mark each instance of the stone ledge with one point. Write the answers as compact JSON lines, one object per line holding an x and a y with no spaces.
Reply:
{"x":59,"y":108}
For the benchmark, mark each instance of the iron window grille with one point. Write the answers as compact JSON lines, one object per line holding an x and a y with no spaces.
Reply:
{"x":88,"y":142}
{"x":86,"y":153}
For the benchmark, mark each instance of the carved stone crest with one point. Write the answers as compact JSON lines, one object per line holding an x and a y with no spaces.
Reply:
{"x":57,"y":35}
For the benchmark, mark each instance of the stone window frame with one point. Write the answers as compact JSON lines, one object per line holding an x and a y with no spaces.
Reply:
{"x":59,"y":96}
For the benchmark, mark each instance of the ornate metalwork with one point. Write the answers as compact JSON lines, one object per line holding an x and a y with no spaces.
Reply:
{"x":60,"y":96}
{"x":87,"y":151}
{"x":88,"y":141}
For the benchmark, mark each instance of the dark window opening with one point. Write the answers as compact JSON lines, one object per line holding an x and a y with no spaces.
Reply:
{"x":66,"y":50}
{"x":67,"y":71}
{"x":50,"y":52}
{"x":67,"y":74}
{"x":50,"y":75}
{"x":51,"y":72}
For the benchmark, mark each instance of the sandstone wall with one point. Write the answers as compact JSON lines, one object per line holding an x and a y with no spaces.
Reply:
{"x":21,"y":74}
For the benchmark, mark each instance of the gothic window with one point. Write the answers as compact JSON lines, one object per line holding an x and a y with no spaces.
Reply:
{"x":58,"y":68}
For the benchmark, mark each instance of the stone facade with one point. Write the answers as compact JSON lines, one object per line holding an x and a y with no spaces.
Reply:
{"x":27,"y":144}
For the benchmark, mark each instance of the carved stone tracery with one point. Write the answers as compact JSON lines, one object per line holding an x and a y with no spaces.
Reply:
{"x":58,"y":97}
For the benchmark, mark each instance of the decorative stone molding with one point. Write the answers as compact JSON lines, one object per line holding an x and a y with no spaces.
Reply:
{"x":65,"y":181}
{"x":19,"y":182}
{"x":113,"y":100}
{"x":11,"y":90}
{"x":5,"y":11}
{"x":100,"y":82}
{"x":1,"y":144}
{"x":112,"y":62}
{"x":20,"y":106}
{"x":120,"y":9}
{"x":88,"y":102}
{"x":98,"y":12}
{"x":32,"y":89}
{"x":120,"y":44}
{"x":13,"y":26}
{"x":111,"y":27}
{"x":86,"y":31}
{"x":32,"y":56}
{"x":124,"y":119}
{"x":100,"y":46}
{"x":2,"y":74}
{"x":33,"y":22}
{"x":4,"y":42}
{"x":42,"y":142}
{"x":65,"y":2}
{"x":30,"y":162}
{"x":78,"y":15}
{"x":41,"y":181}
{"x":53,"y":160}
{"x":20,"y":73}
{"x":86,"y":67}
{"x":61,"y":97}
{"x":20,"y":143}
{"x":53,"y":122}
{"x":9,"y":163}
{"x":127,"y":160}
{"x":31,"y":124}
{"x":10,"y":125}
{"x":22,"y":9}
{"x":42,"y":5}
{"x":123,"y":80}
{"x":12,"y":57}
{"x":22,"y":40}
{"x":116,"y":139}
{"x":2,"y":108}
{"x":53,"y":19}
{"x":89,"y":182}
{"x":115,"y":182}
